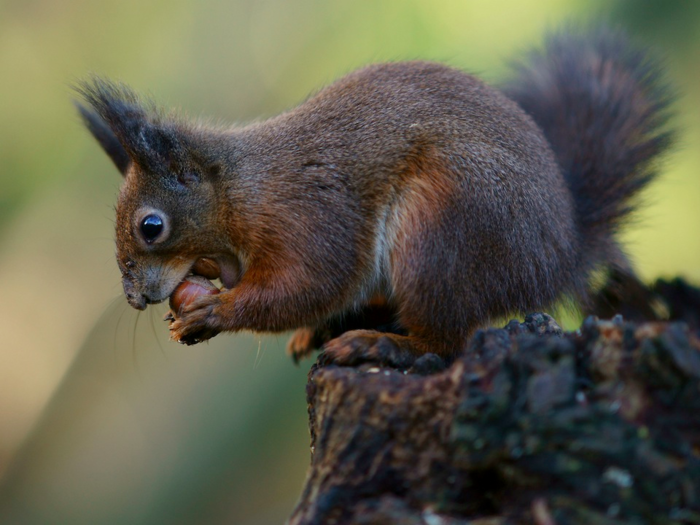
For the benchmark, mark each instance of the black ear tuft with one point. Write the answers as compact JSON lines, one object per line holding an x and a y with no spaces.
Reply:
{"x":106,"y":137}
{"x":116,"y":111}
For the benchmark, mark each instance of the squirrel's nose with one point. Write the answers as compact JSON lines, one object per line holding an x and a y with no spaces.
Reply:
{"x":136,"y":300}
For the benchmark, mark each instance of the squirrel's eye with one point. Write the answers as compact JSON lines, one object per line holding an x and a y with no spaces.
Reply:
{"x":151,"y":227}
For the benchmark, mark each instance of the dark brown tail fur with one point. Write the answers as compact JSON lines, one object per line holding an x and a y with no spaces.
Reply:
{"x":603,"y":105}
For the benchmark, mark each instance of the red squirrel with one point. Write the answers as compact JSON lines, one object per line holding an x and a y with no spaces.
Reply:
{"x":409,"y":183}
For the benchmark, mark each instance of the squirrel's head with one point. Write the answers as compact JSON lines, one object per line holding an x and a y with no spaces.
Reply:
{"x":168,"y":212}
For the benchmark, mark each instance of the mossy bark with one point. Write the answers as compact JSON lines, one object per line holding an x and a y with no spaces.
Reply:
{"x":530,"y":425}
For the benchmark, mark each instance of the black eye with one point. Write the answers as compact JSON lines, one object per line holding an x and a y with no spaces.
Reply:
{"x":151,"y":227}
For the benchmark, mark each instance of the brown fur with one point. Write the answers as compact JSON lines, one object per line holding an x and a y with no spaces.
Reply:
{"x":410,"y":181}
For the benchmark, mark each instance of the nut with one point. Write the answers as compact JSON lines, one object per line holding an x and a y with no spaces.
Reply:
{"x":188,"y":290}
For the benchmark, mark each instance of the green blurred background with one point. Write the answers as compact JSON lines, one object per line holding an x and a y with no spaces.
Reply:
{"x":102,"y":420}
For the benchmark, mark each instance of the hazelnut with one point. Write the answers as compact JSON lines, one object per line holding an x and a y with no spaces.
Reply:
{"x":188,"y":290}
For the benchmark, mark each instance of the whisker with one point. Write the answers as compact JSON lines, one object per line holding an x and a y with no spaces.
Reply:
{"x":133,"y":342}
{"x":260,"y":354}
{"x":124,"y":309}
{"x":155,"y":334}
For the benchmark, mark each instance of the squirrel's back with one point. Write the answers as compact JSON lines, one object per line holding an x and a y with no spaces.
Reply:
{"x":433,"y":152}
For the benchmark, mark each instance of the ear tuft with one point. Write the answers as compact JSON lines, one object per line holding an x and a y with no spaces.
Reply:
{"x":116,"y":104}
{"x":116,"y":112}
{"x":106,"y":137}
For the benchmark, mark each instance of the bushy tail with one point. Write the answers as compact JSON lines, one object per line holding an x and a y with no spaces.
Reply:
{"x":603,"y":105}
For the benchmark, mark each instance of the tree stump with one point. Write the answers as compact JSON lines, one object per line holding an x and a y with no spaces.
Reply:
{"x":530,"y":425}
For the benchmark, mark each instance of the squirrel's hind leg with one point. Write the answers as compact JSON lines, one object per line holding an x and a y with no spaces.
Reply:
{"x":377,"y":314}
{"x":304,"y":341}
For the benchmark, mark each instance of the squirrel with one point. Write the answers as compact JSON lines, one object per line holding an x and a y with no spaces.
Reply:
{"x":409,"y":184}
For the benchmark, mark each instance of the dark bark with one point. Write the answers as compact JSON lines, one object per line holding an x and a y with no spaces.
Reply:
{"x":531,"y":425}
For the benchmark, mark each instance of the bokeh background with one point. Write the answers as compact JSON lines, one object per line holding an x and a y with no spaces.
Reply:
{"x":102,"y":420}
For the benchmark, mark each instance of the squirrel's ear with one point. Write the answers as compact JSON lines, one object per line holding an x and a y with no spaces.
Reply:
{"x":106,"y":137}
{"x":128,"y":130}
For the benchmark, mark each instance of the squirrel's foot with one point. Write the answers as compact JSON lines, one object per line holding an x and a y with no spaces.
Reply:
{"x":362,"y":346}
{"x":198,"y":321}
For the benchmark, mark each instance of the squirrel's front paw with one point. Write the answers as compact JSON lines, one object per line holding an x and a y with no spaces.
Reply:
{"x":198,"y":321}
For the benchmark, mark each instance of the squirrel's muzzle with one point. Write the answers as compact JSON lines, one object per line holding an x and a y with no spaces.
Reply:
{"x":134,"y":298}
